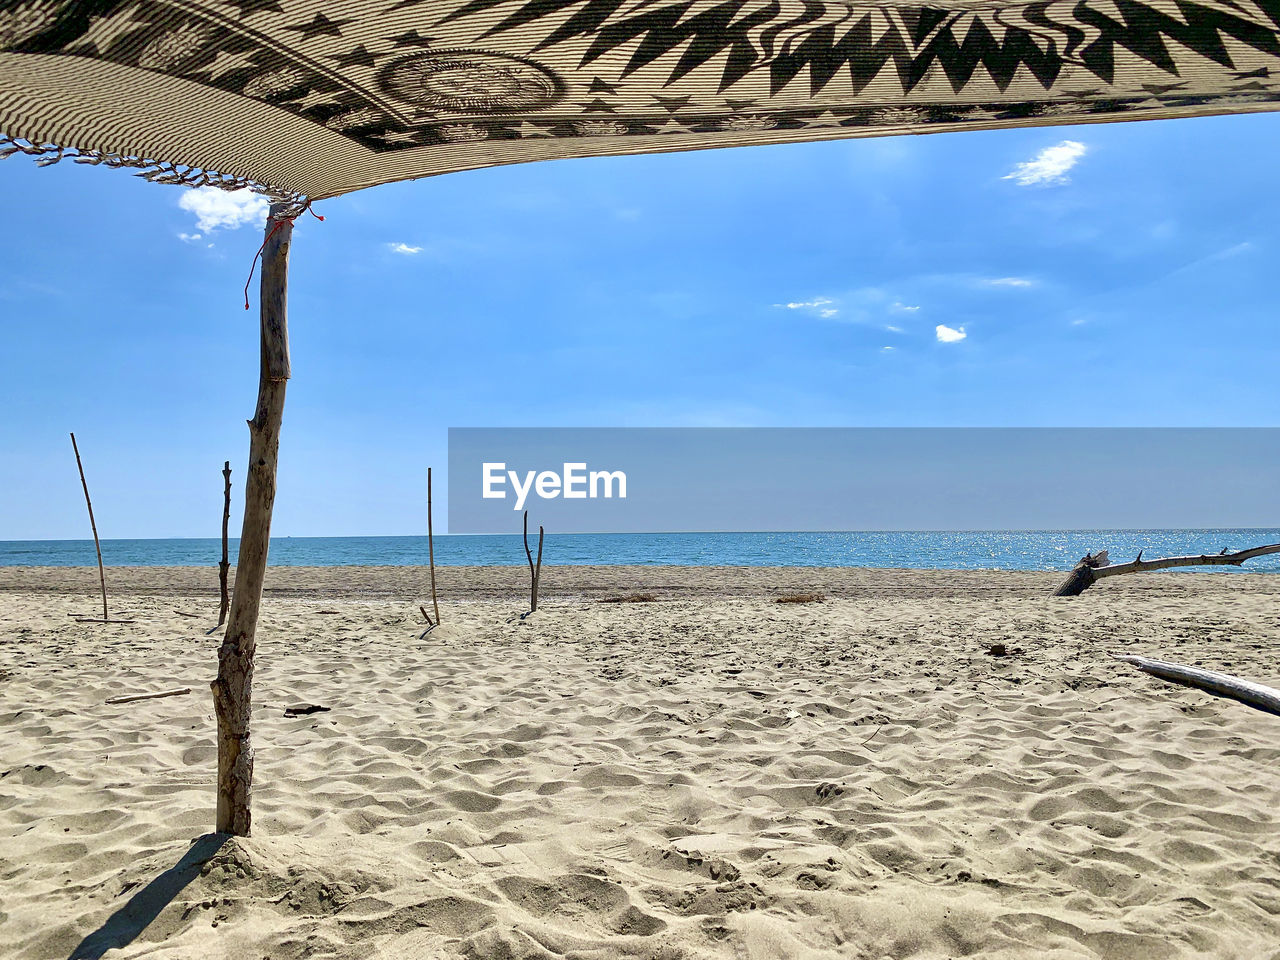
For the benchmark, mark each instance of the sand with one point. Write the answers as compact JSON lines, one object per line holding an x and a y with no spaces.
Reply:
{"x":712,"y":775}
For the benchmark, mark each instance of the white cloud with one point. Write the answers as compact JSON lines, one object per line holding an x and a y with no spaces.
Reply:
{"x":1050,"y":165}
{"x":1009,"y":282}
{"x":950,"y":334}
{"x":403,"y":248}
{"x":190,"y":237}
{"x":865,"y":305}
{"x":823,"y":307}
{"x":892,"y":329}
{"x":216,"y":208}
{"x":887,"y":349}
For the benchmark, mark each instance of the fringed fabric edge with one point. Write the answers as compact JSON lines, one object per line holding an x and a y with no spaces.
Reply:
{"x":156,"y":171}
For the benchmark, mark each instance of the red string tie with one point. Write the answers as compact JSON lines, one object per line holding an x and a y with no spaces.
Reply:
{"x":253,"y":266}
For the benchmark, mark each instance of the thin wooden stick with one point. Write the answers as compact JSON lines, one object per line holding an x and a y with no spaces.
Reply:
{"x":102,"y":577}
{"x":225,"y":564}
{"x":431,"y":552}
{"x":533,"y":603}
{"x":151,"y":696}
{"x":537,"y":576}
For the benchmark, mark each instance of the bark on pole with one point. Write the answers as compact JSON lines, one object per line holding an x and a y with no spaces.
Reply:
{"x":102,"y":577}
{"x":224,"y":565}
{"x":233,"y":688}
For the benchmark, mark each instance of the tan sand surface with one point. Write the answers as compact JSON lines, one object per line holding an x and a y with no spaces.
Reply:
{"x":712,"y":775}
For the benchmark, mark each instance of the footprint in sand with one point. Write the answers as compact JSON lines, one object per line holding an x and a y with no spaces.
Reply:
{"x":825,"y":790}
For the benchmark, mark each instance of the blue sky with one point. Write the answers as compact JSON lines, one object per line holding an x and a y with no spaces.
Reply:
{"x":1099,"y":275}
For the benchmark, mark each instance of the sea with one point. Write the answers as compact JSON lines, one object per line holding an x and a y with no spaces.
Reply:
{"x":949,"y":550}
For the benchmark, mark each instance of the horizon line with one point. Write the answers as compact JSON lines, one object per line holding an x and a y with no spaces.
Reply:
{"x":667,"y":533}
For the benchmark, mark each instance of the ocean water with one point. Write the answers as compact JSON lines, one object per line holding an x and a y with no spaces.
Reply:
{"x":953,"y":550}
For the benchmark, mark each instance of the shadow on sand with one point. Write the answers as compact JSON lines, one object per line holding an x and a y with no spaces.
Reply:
{"x":144,"y":906}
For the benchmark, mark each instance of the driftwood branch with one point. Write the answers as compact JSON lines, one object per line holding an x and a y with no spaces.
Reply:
{"x":535,"y":571}
{"x":431,"y":554}
{"x":150,"y":696}
{"x":224,"y":565}
{"x":1266,"y":699}
{"x":102,"y":576}
{"x":1095,"y":567}
{"x":1204,"y":560}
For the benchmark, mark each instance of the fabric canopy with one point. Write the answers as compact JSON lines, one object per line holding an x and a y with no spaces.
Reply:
{"x":314,"y":98}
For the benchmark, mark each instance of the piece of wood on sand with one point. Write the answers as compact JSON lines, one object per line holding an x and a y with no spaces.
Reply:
{"x":233,"y":687}
{"x":431,"y":625}
{"x":1256,"y":695}
{"x":305,"y":709}
{"x":150,"y":696}
{"x":1098,"y":566}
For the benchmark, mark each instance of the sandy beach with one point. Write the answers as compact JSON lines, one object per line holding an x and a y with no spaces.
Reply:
{"x":710,"y":775}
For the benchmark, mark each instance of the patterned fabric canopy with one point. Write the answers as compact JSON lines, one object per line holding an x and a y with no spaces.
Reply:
{"x":314,"y":98}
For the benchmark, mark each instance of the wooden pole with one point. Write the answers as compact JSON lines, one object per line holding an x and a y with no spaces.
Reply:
{"x":224,"y":565}
{"x":431,"y":550}
{"x":233,"y":688}
{"x":102,"y":576}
